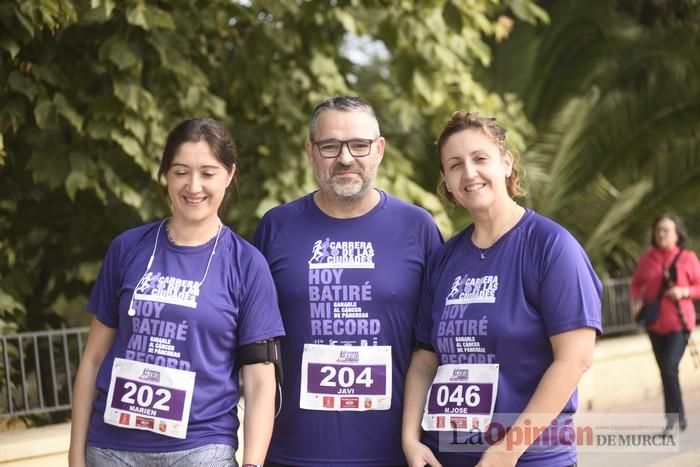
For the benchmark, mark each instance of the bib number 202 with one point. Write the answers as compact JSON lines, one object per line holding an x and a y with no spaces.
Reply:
{"x":145,"y":395}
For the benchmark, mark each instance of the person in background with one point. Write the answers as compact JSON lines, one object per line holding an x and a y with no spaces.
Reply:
{"x":509,"y":315}
{"x":671,"y":272}
{"x":347,"y":260}
{"x":175,"y":303}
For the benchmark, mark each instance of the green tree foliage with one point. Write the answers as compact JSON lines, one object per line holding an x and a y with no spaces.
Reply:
{"x":89,"y":89}
{"x":613,"y":91}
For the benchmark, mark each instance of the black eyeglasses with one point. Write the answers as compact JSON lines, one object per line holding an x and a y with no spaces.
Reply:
{"x":331,"y":148}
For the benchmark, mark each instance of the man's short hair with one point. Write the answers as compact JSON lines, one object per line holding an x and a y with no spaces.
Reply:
{"x":341,"y":104}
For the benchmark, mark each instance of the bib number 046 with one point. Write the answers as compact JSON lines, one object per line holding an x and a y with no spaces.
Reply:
{"x":457,"y":395}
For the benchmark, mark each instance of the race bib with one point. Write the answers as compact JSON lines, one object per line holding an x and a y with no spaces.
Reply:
{"x":345,"y":378}
{"x":461,"y":398}
{"x":149,"y":397}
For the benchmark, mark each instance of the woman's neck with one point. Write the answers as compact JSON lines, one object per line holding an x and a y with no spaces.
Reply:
{"x":492,"y":224}
{"x":192,"y":234}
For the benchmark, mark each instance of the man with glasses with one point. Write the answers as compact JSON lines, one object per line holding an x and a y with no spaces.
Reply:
{"x":347,"y":261}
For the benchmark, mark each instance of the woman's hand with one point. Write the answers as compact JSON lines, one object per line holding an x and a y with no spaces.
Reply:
{"x":636,"y":307}
{"x":419,"y":455}
{"x":76,"y":457}
{"x":676,"y":293}
{"x":638,"y":303}
{"x":99,"y":340}
{"x":259,"y":386}
{"x":420,"y":374}
{"x":496,"y":456}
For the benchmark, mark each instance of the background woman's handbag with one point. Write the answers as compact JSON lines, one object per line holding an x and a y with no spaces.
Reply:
{"x":650,"y":311}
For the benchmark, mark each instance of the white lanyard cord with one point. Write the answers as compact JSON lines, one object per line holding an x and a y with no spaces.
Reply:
{"x":213,"y":251}
{"x":132,"y":311}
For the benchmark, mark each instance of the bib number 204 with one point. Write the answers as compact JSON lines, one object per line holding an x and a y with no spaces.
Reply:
{"x":345,"y":377}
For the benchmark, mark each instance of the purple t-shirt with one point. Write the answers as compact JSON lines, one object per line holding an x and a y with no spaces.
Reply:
{"x":187,"y":327}
{"x":385,"y":252}
{"x":536,"y":281}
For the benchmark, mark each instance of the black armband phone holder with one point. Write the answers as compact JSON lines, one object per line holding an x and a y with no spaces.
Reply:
{"x":267,"y":351}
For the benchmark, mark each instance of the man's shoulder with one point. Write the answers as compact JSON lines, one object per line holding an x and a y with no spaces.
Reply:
{"x":406,"y":210}
{"x":292,"y":209}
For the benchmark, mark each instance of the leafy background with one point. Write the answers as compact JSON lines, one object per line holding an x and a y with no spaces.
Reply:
{"x":601,"y":100}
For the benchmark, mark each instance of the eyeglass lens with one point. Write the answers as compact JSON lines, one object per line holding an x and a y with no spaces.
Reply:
{"x":357,"y":147}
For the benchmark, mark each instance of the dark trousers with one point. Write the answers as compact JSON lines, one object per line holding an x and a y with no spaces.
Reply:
{"x":668,"y":350}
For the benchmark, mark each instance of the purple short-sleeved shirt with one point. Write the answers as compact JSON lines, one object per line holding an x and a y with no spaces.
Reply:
{"x":536,"y":281}
{"x":345,"y":282}
{"x":201,"y":327}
